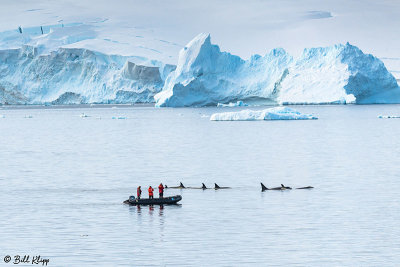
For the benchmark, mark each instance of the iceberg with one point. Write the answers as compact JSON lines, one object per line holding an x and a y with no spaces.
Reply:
{"x":206,"y":76}
{"x":83,"y":115}
{"x":43,"y":66}
{"x":76,"y":76}
{"x":276,"y":113}
{"x":340,"y":74}
{"x":389,"y":116}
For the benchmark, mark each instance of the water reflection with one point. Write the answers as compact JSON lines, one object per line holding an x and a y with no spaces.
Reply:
{"x":151,"y":208}
{"x":138,"y":209}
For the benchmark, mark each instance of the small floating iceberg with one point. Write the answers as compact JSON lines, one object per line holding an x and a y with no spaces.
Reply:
{"x":232,"y":104}
{"x":389,"y":116}
{"x":83,"y":115}
{"x":277,"y":113}
{"x":119,"y":118}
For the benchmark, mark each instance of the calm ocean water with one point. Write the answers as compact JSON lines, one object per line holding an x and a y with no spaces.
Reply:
{"x":63,"y":179}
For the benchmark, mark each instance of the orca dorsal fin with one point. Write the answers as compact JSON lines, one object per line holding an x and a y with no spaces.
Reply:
{"x":282,"y":185}
{"x":216,"y":186}
{"x":203,"y":186}
{"x":181,"y":185}
{"x":263,"y":187}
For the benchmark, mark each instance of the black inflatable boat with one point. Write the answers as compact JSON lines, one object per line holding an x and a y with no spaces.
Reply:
{"x":154,"y":201}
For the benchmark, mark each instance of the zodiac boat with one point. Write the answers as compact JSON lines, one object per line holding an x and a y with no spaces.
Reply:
{"x":154,"y":201}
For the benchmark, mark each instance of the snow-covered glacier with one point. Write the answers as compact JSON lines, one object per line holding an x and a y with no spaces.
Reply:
{"x":76,"y":75}
{"x":338,"y":74}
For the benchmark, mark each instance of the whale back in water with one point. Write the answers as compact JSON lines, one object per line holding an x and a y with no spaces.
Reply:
{"x":305,"y":187}
{"x":203,"y":187}
{"x":216,"y":187}
{"x":285,"y":187}
{"x":282,"y":187}
{"x":181,"y":186}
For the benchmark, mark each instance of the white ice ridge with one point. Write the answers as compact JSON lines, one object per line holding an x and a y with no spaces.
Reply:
{"x":276,"y":113}
{"x":339,"y":74}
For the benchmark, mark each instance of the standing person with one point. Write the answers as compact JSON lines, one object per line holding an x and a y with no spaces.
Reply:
{"x":151,"y":192}
{"x":139,"y":192}
{"x":161,"y":190}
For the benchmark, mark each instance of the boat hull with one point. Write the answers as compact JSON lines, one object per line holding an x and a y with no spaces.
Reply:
{"x":172,"y":200}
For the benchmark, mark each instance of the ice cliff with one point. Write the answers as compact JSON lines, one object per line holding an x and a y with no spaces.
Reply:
{"x":73,"y":75}
{"x":337,"y":74}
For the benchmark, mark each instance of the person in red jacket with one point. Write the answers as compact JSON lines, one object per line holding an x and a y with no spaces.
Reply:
{"x":139,"y":192}
{"x":161,"y":190}
{"x":151,"y":192}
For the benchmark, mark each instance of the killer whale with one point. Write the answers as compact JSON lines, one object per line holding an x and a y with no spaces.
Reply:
{"x":282,"y":187}
{"x":263,"y":187}
{"x":181,"y":186}
{"x":216,"y":187}
{"x":286,"y":187}
{"x":203,"y":187}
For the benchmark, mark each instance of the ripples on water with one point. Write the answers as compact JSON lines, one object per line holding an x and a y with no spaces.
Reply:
{"x":63,"y":179}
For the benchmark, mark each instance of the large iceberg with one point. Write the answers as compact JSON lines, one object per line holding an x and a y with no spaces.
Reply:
{"x":74,"y":75}
{"x":277,"y":113}
{"x":41,"y":65}
{"x":337,"y":74}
